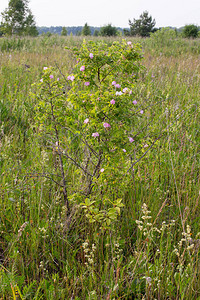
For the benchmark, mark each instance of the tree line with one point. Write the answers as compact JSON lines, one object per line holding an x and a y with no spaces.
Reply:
{"x":18,"y":19}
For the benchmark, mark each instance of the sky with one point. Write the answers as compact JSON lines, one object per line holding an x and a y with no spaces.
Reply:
{"x":175,"y":13}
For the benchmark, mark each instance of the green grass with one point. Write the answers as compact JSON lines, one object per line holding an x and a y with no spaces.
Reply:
{"x":42,"y":252}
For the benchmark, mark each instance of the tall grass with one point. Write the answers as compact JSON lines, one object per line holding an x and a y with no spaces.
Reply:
{"x":152,"y":251}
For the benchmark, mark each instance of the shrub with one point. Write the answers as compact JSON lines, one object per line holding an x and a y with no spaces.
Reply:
{"x":190,"y":31}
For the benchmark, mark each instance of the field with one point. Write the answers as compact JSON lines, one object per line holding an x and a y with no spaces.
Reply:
{"x":131,"y":229}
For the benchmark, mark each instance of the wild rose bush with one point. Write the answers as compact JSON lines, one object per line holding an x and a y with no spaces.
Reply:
{"x":92,"y":127}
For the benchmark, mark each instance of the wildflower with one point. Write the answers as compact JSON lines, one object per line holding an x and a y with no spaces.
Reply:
{"x":130,"y":139}
{"x":58,"y":79}
{"x":45,"y":68}
{"x":134,"y":101}
{"x":112,"y":101}
{"x":106,"y":125}
{"x":102,"y":170}
{"x":82,"y":68}
{"x":119,"y":93}
{"x":71,"y":78}
{"x":129,"y":43}
{"x":117,"y":86}
{"x":95,"y":134}
{"x":87,"y":83}
{"x":51,"y":76}
{"x":114,"y":83}
{"x":124,"y":150}
{"x":145,"y":146}
{"x":86,"y":121}
{"x":142,"y":111}
{"x":91,"y":55}
{"x":125,"y":90}
{"x":130,"y":92}
{"x":41,"y":80}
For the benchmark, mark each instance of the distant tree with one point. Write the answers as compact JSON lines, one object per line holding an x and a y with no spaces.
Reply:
{"x":190,"y":31}
{"x":1,"y":31}
{"x":30,"y":26}
{"x":64,"y":31}
{"x":78,"y":33}
{"x":143,"y":26}
{"x":108,"y":30}
{"x":86,"y":30}
{"x":96,"y":32}
{"x":18,"y":19}
{"x":126,"y":32}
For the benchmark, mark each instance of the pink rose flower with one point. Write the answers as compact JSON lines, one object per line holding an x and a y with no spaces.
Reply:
{"x":95,"y":134}
{"x":106,"y":125}
{"x":131,"y":139}
{"x":71,"y":77}
{"x":119,"y":93}
{"x":82,"y":68}
{"x":86,"y":121}
{"x":112,"y":101}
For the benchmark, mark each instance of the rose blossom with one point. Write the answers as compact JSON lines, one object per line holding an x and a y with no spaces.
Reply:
{"x":95,"y":134}
{"x":131,"y":139}
{"x":86,"y":121}
{"x":71,"y":78}
{"x":119,"y":93}
{"x":82,"y":68}
{"x":106,"y":125}
{"x":117,"y":86}
{"x":112,"y":101}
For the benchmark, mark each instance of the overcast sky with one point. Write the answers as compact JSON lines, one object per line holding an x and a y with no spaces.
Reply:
{"x":117,"y":12}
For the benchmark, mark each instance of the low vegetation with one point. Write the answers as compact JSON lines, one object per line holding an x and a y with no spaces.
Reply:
{"x":99,"y":160}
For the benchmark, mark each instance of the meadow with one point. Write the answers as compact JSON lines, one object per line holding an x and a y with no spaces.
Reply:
{"x":131,"y":229}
